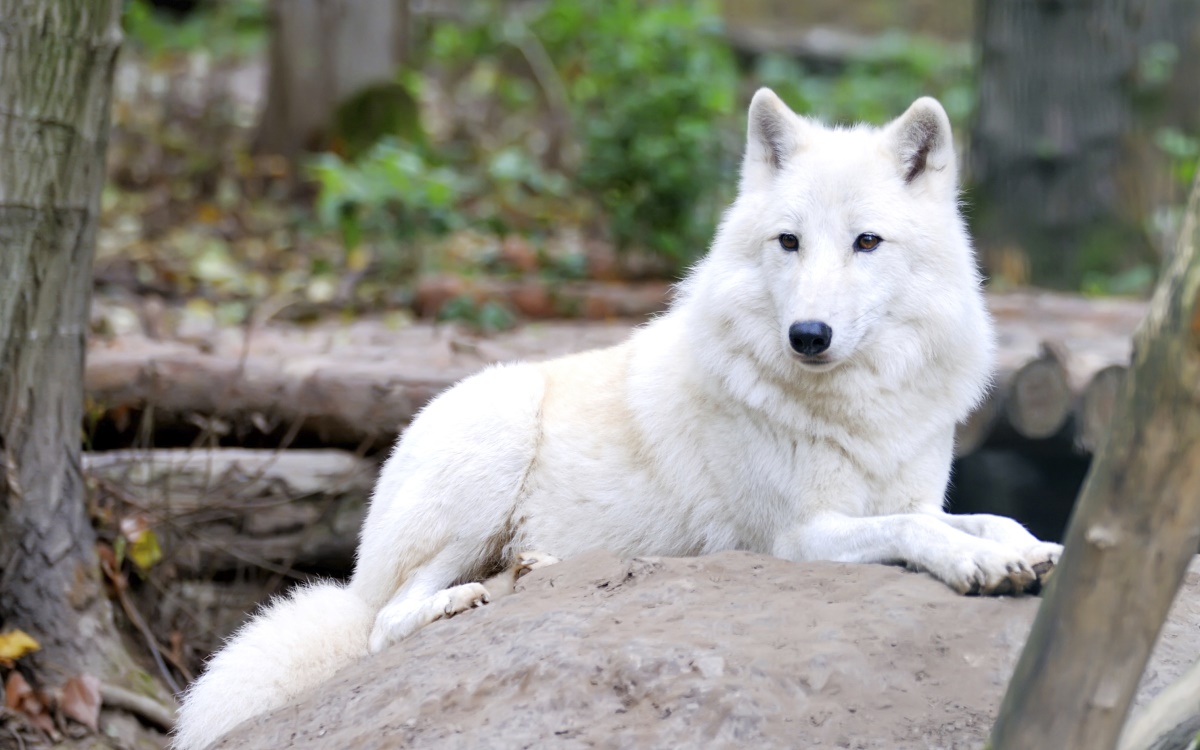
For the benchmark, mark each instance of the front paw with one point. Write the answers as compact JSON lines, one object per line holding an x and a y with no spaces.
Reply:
{"x":1042,"y":558}
{"x":987,"y":569}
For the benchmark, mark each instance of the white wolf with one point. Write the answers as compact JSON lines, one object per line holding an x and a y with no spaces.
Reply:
{"x":798,"y":399}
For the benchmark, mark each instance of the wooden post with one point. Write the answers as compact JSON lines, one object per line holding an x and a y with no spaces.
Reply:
{"x":1133,"y":534}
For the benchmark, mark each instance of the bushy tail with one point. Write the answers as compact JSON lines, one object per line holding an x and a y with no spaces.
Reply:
{"x":294,"y":644}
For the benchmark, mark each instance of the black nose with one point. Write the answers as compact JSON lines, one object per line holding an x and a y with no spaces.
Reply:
{"x":810,"y":337}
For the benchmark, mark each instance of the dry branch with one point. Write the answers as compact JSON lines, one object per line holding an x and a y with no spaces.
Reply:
{"x":226,"y":509}
{"x":1171,"y":721}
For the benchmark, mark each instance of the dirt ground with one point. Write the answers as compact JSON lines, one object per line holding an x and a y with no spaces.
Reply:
{"x":731,"y":650}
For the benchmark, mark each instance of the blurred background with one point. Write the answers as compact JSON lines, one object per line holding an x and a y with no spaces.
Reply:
{"x":321,"y":212}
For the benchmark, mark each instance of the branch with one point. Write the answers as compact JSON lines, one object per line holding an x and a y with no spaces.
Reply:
{"x":1136,"y":528}
{"x":1173,"y":714}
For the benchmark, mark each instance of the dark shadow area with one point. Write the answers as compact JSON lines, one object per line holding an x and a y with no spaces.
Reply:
{"x":1033,"y":481}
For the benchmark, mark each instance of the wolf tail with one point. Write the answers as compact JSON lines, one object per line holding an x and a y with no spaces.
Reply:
{"x":292,"y":645}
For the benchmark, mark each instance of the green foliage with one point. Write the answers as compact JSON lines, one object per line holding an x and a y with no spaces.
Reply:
{"x":391,"y":191}
{"x":488,"y":316}
{"x":231,"y":28}
{"x":652,"y":88}
{"x":376,"y":112}
{"x":1156,"y":65}
{"x":649,"y":89}
{"x":624,"y":109}
{"x":1183,"y":150}
{"x":1136,"y":282}
{"x":879,"y":86}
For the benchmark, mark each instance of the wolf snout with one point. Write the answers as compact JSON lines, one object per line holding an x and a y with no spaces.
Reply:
{"x":810,"y":337}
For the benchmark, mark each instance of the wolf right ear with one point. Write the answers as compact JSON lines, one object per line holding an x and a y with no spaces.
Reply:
{"x":923,"y":146}
{"x":773,"y":136}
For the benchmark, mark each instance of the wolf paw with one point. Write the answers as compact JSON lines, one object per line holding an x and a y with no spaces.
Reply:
{"x":989,"y":570}
{"x":399,"y":620}
{"x":1042,"y":559}
{"x":527,"y":561}
{"x":459,"y":599}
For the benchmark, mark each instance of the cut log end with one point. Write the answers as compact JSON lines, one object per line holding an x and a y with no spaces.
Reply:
{"x":1040,"y":398}
{"x":1096,"y":406}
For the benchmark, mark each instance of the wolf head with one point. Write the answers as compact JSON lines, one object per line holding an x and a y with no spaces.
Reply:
{"x":845,"y":246}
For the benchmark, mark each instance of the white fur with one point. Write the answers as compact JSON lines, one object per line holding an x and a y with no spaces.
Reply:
{"x":702,"y":432}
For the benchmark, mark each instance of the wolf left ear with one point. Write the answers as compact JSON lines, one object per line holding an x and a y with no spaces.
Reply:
{"x":924,"y":147}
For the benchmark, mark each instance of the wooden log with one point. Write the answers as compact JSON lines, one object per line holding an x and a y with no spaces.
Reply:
{"x":1096,"y":406}
{"x":971,"y":434}
{"x":1039,"y":394}
{"x":358,"y":384}
{"x":339,"y":403}
{"x":345,"y":385}
{"x":1134,"y":531}
{"x":228,"y":509}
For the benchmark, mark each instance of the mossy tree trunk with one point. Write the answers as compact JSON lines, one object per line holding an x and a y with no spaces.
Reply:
{"x":323,"y":54}
{"x":1070,"y":170}
{"x":1055,"y":110}
{"x":56,"y":68}
{"x":1135,"y":529}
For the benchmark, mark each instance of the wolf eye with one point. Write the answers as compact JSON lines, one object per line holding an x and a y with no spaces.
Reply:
{"x":789,"y":242}
{"x":866,"y":242}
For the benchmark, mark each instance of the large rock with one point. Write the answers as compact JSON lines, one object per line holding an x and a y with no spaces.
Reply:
{"x":730,"y":650}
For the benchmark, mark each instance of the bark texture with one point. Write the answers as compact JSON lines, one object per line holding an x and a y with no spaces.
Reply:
{"x":1135,"y":529}
{"x":322,"y":53}
{"x":56,"y":65}
{"x":1055,"y":109}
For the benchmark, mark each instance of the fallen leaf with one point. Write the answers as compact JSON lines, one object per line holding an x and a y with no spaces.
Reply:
{"x":145,"y":550}
{"x":207,"y":213}
{"x":20,"y":696}
{"x":16,"y":688}
{"x":143,"y":547}
{"x":81,"y":700}
{"x":14,"y":644}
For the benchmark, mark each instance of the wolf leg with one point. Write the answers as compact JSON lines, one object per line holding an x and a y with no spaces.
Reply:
{"x":419,"y":602}
{"x":504,"y":583}
{"x":1040,"y":556}
{"x":414,"y":608}
{"x":968,"y":564}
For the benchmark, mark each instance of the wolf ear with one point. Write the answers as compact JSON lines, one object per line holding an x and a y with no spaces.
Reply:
{"x":921,"y":140}
{"x":773,"y":136}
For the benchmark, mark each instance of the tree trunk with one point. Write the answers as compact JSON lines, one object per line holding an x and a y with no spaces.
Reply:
{"x":323,"y":53}
{"x":56,"y":68}
{"x":1055,"y":111}
{"x":1135,"y":530}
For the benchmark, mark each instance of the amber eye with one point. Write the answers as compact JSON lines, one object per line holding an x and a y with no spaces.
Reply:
{"x":866,"y":242}
{"x":789,"y":242}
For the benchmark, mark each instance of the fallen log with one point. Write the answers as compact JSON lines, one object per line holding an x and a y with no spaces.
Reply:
{"x":223,"y":510}
{"x":357,"y":385}
{"x":1040,"y":396}
{"x":1096,"y":406}
{"x":351,"y":386}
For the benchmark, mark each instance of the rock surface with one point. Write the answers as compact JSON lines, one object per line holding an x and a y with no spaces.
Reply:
{"x":730,"y":650}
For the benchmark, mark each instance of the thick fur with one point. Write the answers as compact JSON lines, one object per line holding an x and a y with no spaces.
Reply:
{"x":705,"y":431}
